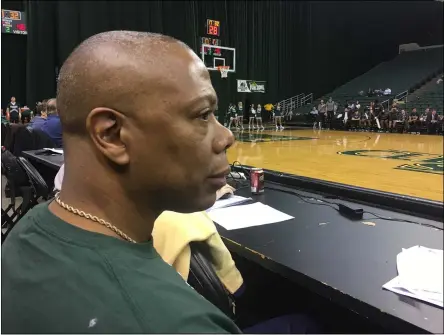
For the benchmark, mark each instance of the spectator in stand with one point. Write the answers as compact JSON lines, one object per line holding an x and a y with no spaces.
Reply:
{"x":52,"y":126}
{"x":322,"y":110}
{"x":39,"y":119}
{"x":13,"y":111}
{"x":387,"y":91}
{"x":330,"y":112}
{"x":357,"y":105}
{"x":432,"y":121}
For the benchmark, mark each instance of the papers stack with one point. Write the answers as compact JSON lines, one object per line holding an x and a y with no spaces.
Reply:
{"x":420,"y":275}
{"x":237,"y":217}
{"x":232,"y":200}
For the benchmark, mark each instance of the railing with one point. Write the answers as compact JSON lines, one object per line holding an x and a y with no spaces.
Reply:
{"x":307,"y":99}
{"x":402,"y":96}
{"x":386,"y":102}
{"x":292,"y":103}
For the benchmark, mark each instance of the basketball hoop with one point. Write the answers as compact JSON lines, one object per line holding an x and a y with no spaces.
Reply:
{"x":223,"y":71}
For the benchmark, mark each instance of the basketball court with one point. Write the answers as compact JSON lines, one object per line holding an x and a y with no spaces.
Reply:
{"x":398,"y":163}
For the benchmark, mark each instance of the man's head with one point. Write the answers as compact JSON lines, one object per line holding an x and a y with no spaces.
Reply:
{"x":137,"y":118}
{"x":51,"y":107}
{"x":12,"y":99}
{"x":330,"y":99}
{"x":322,"y":101}
{"x":414,"y":110}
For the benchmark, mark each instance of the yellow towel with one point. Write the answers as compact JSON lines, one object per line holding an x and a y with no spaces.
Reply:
{"x":172,"y":234}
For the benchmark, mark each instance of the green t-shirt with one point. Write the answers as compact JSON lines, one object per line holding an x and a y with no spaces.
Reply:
{"x":58,"y":278}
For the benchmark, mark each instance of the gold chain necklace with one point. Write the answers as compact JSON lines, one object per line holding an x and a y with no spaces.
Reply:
{"x":93,"y":218}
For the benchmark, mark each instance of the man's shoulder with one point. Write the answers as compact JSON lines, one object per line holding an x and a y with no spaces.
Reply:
{"x":69,"y":286}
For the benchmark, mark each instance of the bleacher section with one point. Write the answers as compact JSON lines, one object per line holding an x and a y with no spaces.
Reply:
{"x":407,"y":72}
{"x":430,"y":95}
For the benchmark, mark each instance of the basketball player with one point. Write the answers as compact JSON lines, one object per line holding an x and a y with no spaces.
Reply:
{"x":314,"y":114}
{"x":384,"y":116}
{"x":356,"y":119}
{"x":330,"y":105}
{"x":278,"y":118}
{"x":365,"y":119}
{"x":13,"y":113}
{"x":259,"y":118}
{"x":414,"y":122}
{"x":240,"y":115}
{"x":404,"y":119}
{"x":322,"y":110}
{"x":252,"y":117}
{"x":377,"y":109}
{"x":393,"y":117}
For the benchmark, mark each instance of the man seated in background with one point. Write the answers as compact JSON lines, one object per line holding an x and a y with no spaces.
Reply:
{"x":53,"y":126}
{"x":432,"y":121}
{"x":39,"y":119}
{"x":26,"y":115}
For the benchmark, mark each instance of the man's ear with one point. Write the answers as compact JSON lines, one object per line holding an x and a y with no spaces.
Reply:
{"x":105,"y":128}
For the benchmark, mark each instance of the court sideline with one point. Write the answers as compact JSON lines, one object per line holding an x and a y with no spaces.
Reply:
{"x":398,"y":163}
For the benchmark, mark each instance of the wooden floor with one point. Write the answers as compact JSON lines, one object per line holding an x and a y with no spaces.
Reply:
{"x":398,"y":163}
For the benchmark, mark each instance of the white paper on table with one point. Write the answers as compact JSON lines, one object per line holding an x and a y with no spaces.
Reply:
{"x":237,"y":217}
{"x":421,"y":268}
{"x":230,"y":201}
{"x":420,"y":274}
{"x":57,"y":151}
{"x":395,"y":285}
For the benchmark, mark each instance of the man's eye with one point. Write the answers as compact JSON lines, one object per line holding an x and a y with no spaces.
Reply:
{"x":205,"y":116}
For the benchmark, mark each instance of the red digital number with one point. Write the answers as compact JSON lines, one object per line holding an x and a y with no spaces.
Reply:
{"x":217,"y":52}
{"x":213,"y":30}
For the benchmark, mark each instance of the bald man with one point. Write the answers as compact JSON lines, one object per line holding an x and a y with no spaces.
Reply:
{"x":139,"y":137}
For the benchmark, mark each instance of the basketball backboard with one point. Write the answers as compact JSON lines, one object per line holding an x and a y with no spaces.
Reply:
{"x":216,"y":55}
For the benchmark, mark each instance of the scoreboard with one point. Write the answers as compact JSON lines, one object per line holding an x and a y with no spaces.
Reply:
{"x":210,"y":41}
{"x":14,"y":22}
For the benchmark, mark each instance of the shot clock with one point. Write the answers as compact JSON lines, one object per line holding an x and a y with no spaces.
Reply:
{"x":14,"y":22}
{"x":213,"y":27}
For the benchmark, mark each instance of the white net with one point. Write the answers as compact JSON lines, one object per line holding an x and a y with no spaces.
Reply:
{"x":224,"y":71}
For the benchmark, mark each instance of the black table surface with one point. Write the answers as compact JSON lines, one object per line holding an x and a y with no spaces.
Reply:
{"x":346,"y":261}
{"x":53,"y":161}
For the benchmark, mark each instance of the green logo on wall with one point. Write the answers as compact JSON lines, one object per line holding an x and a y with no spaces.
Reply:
{"x":419,"y":161}
{"x":259,"y":137}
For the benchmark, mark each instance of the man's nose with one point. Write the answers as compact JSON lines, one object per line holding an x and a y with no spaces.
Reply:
{"x":224,"y":139}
